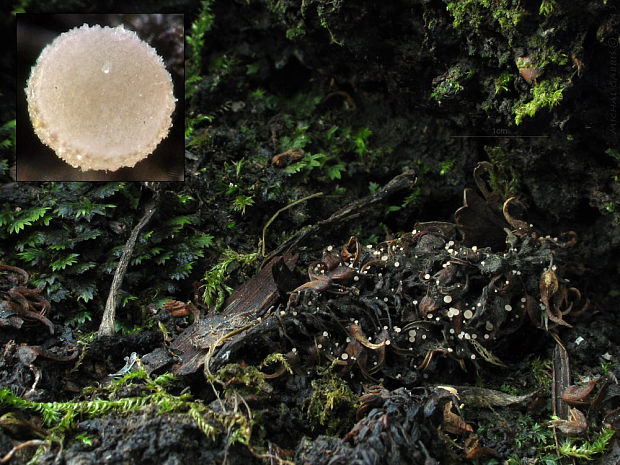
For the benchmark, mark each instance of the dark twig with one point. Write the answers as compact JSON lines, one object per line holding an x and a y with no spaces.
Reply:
{"x":354,"y":209}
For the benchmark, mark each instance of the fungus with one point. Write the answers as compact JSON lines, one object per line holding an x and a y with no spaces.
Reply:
{"x":100,"y":97}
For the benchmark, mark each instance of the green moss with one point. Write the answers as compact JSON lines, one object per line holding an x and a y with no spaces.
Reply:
{"x":546,"y":7}
{"x":445,"y":166}
{"x":7,"y":141}
{"x":299,"y":30}
{"x":475,"y":13}
{"x":330,"y":146}
{"x":214,"y":280}
{"x":449,"y":84}
{"x":546,"y":54}
{"x":323,"y":11}
{"x":276,"y":358}
{"x":577,"y":448}
{"x":61,"y":417}
{"x":503,"y":178}
{"x":509,"y":389}
{"x":52,"y":238}
{"x":614,"y":153}
{"x":20,"y":7}
{"x":545,"y":95}
{"x":243,"y":379}
{"x":201,"y":25}
{"x":331,"y":405}
{"x":502,"y":82}
{"x":248,"y":379}
{"x":541,"y":370}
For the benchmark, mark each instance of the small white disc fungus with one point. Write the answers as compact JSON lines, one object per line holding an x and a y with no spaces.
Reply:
{"x":100,"y":97}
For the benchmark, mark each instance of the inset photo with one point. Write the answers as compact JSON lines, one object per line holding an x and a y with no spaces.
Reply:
{"x":102,"y":97}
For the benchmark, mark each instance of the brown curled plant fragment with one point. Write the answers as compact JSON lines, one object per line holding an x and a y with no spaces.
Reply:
{"x":179,"y":309}
{"x":357,"y":333}
{"x":575,"y":425}
{"x":327,"y":274}
{"x":520,"y":226}
{"x":528,"y":70}
{"x":479,"y":218}
{"x":351,"y":251}
{"x":19,"y":302}
{"x":374,"y":397}
{"x":612,"y":420}
{"x":577,"y":395}
{"x":282,"y":160}
{"x":453,"y":423}
{"x":549,"y":286}
{"x":473,"y":450}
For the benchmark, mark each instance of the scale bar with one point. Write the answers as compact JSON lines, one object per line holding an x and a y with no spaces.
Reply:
{"x":487,"y":137}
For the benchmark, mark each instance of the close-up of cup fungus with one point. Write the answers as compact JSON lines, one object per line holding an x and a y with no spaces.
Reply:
{"x":100,"y":98}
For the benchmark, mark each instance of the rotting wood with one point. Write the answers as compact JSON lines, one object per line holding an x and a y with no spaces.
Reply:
{"x":242,"y":310}
{"x":484,"y":397}
{"x":561,"y":379}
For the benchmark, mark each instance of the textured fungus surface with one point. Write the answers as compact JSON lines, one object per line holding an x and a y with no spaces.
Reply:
{"x":100,"y":97}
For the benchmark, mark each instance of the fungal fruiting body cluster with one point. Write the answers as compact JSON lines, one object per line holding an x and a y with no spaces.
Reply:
{"x":425,"y":296}
{"x":100,"y":97}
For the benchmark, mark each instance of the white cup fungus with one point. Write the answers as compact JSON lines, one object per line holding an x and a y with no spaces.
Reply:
{"x":100,"y":97}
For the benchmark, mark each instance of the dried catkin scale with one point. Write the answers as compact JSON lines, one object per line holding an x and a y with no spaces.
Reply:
{"x":100,"y":97}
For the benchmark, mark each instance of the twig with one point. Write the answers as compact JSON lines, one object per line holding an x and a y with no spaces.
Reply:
{"x":9,"y":455}
{"x":296,"y":202}
{"x":402,"y":181}
{"x":106,"y":328}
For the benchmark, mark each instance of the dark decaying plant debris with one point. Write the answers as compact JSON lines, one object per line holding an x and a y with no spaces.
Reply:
{"x":422,"y":297}
{"x":365,"y":349}
{"x":20,"y":302}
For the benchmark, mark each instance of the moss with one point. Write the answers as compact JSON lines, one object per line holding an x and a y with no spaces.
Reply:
{"x":62,"y":417}
{"x":543,"y":54}
{"x":502,"y":82}
{"x":546,"y":7}
{"x":243,"y":379}
{"x":323,"y":12}
{"x":545,"y":95}
{"x":331,"y":404}
{"x":503,"y":178}
{"x":614,"y":153}
{"x":201,"y":25}
{"x":541,"y":370}
{"x":578,"y":448}
{"x":297,"y":31}
{"x":445,"y":166}
{"x":475,"y":13}
{"x":449,"y":84}
{"x":276,"y":358}
{"x":509,"y":389}
{"x":215,"y":288}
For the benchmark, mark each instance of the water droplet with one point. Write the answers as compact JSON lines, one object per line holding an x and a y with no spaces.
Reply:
{"x":106,"y":67}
